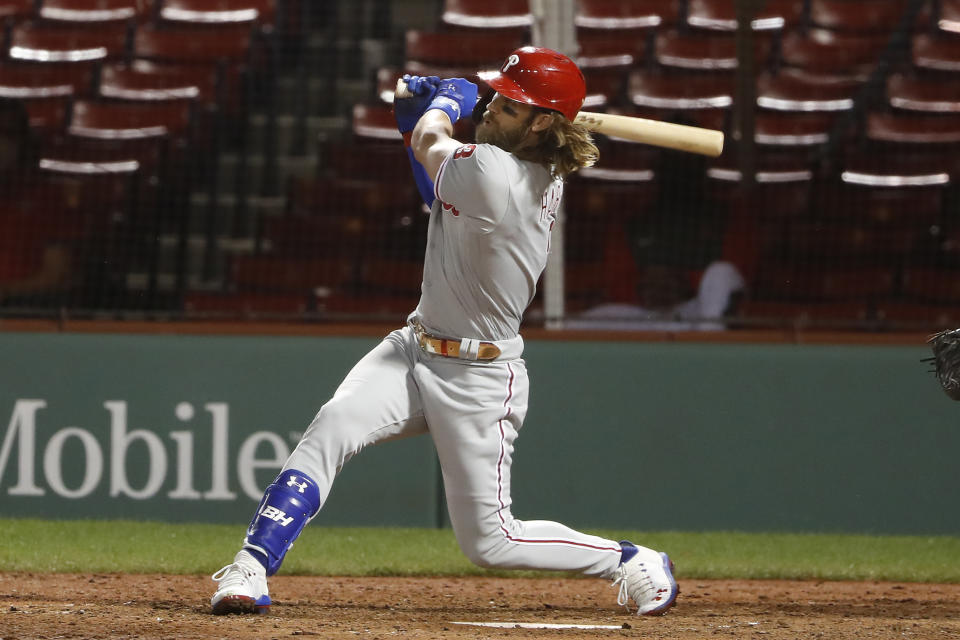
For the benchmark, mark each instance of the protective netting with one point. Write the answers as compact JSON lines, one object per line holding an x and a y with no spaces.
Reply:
{"x":238,"y":159}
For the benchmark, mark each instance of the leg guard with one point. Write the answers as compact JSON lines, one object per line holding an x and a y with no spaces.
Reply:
{"x":287,"y":505}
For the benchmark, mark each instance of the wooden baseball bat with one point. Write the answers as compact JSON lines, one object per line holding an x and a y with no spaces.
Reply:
{"x":681,"y":137}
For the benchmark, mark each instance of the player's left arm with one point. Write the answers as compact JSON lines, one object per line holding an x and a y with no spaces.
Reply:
{"x":432,"y":139}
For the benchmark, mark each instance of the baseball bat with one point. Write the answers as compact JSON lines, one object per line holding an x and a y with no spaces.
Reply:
{"x":681,"y":137}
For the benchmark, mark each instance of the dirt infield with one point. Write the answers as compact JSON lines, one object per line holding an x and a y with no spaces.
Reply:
{"x":49,"y":606}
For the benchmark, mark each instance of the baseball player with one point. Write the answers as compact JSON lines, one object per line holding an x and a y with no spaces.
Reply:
{"x":455,"y":370}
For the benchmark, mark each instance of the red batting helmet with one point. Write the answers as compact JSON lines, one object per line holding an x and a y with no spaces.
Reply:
{"x":540,"y":77}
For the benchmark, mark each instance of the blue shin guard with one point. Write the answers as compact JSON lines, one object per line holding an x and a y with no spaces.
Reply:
{"x":287,"y":505}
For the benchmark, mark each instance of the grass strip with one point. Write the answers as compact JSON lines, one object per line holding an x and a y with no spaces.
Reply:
{"x":119,"y":546}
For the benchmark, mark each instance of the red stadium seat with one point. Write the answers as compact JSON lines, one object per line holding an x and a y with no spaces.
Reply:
{"x":622,"y":161}
{"x":797,"y":90}
{"x":865,"y":16}
{"x":949,"y":18}
{"x":143,"y":80}
{"x":914,"y":128}
{"x":502,"y":15}
{"x":937,"y":52}
{"x":218,"y":12}
{"x":791,"y":129}
{"x":129,"y":121}
{"x":706,"y":51}
{"x":35,"y":80}
{"x":375,"y":122}
{"x":922,"y":93}
{"x":721,"y":15}
{"x":16,"y":8}
{"x":705,"y":99}
{"x":46,"y":89}
{"x":232,"y":45}
{"x":35,"y":42}
{"x":456,"y":54}
{"x":626,"y":14}
{"x":96,"y":12}
{"x":832,"y":52}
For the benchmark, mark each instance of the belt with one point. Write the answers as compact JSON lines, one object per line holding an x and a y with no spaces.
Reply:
{"x":465,"y":349}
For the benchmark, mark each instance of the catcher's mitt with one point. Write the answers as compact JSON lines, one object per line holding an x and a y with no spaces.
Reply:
{"x":946,"y":360}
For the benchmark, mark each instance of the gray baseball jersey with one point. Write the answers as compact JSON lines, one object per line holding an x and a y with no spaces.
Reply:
{"x":487,"y":243}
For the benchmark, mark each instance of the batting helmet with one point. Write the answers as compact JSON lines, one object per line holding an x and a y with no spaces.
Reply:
{"x":540,"y":77}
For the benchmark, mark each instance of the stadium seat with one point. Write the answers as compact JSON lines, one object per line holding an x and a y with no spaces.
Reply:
{"x":948,"y":19}
{"x":128,"y":121}
{"x":218,"y":12}
{"x":375,"y":122}
{"x":702,"y":99}
{"x":864,"y":16}
{"x":459,"y":54}
{"x":792,"y":129}
{"x":832,"y":52}
{"x":171,"y":44}
{"x":798,"y":90}
{"x":511,"y":17}
{"x":626,"y":14}
{"x":922,"y":93}
{"x":914,"y":128}
{"x":16,"y":9}
{"x":702,"y":51}
{"x":46,"y":90}
{"x":96,"y":12}
{"x":622,"y":161}
{"x":938,"y":52}
{"x":37,"y":42}
{"x":142,"y":80}
{"x":721,"y":15}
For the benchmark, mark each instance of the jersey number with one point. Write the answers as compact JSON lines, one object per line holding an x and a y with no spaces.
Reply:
{"x":465,"y":151}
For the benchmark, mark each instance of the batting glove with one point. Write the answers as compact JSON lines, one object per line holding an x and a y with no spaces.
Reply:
{"x":407,"y":111}
{"x":455,"y":96}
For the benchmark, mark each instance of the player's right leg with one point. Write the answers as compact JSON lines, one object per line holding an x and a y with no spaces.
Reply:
{"x":377,"y":401}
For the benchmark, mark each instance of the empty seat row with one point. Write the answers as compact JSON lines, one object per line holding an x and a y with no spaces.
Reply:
{"x":96,"y":13}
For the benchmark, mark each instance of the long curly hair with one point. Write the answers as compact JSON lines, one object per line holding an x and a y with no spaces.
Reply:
{"x":564,"y":146}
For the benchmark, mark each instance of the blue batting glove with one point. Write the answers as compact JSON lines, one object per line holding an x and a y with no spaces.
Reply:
{"x":407,"y":111}
{"x":455,"y":96}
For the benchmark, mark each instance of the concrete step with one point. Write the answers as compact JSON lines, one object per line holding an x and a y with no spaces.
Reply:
{"x":232,"y":219}
{"x":252,"y":175}
{"x":293,"y":135}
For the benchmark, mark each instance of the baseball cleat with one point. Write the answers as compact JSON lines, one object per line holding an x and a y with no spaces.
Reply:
{"x":647,"y":578}
{"x":242,"y":587}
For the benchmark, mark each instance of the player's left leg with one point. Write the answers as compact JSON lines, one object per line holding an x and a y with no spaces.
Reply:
{"x":475,"y":414}
{"x":376,"y":401}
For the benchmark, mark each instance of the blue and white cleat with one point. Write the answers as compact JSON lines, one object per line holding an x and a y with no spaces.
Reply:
{"x":646,"y":576}
{"x":242,"y":587}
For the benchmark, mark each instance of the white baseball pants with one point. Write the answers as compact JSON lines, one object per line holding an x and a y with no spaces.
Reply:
{"x":473,"y":411}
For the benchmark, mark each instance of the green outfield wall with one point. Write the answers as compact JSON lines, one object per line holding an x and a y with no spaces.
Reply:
{"x":637,"y":435}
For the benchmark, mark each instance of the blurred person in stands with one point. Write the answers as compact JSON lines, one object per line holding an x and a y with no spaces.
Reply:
{"x":668,"y":271}
{"x":35,"y":256}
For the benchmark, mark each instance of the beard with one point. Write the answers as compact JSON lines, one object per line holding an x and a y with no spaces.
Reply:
{"x":487,"y":133}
